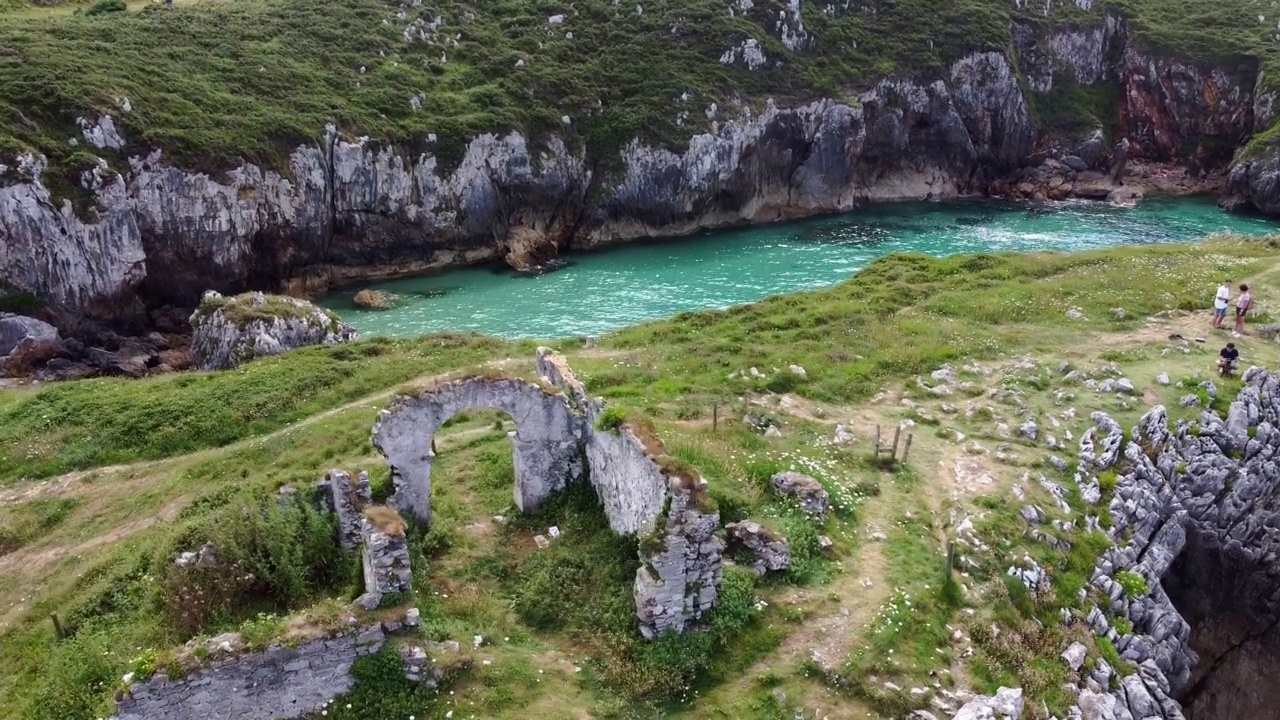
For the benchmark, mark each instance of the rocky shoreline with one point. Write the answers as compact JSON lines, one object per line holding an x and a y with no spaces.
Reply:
{"x":1039,"y":120}
{"x":53,"y":343}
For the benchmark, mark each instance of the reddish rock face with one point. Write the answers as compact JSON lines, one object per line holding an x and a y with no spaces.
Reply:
{"x":1173,"y":110}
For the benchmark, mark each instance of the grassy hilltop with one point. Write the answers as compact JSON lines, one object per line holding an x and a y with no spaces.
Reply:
{"x":103,"y":480}
{"x":212,"y":82}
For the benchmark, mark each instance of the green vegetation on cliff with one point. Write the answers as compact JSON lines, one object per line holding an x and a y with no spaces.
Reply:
{"x":212,"y":83}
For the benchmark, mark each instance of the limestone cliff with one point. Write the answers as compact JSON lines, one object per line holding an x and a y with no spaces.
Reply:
{"x":1194,"y":513}
{"x":346,"y":209}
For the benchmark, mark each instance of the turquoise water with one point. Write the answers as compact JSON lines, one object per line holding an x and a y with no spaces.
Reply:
{"x":611,"y":288}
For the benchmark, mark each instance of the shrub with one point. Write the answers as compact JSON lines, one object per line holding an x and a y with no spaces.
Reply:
{"x":1107,"y":483}
{"x":78,"y":680}
{"x":1122,"y":625}
{"x":194,"y":596}
{"x":107,"y":6}
{"x":259,"y":631}
{"x":611,"y":419}
{"x":381,"y":690}
{"x":1134,"y":584}
{"x":280,"y":554}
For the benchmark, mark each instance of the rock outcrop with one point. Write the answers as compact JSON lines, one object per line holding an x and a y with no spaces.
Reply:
{"x":1199,"y":505}
{"x":807,"y":491}
{"x":228,"y":331}
{"x":1006,"y":704}
{"x":25,"y":342}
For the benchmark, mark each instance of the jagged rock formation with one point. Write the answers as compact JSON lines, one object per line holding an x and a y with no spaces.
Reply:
{"x":558,"y":442}
{"x":350,"y":209}
{"x":1197,"y":578}
{"x":229,"y":331}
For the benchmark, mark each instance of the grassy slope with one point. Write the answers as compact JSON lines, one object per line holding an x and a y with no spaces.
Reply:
{"x":212,"y":82}
{"x":92,"y":547}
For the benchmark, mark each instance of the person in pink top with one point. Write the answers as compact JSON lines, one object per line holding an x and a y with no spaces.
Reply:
{"x":1244,"y":302}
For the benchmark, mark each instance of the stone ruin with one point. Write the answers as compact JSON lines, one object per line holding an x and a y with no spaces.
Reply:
{"x":1196,"y":514}
{"x":379,"y":531}
{"x":645,"y":492}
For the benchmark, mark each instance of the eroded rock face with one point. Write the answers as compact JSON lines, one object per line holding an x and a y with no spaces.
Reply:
{"x":355,"y":210}
{"x":1169,"y":103}
{"x":1200,"y":504}
{"x":229,"y":331}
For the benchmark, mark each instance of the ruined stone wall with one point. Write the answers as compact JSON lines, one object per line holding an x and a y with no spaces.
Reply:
{"x":556,"y":442}
{"x":348,"y":498}
{"x":680,"y":562}
{"x":548,"y":439}
{"x":279,"y":682}
{"x":629,"y":482}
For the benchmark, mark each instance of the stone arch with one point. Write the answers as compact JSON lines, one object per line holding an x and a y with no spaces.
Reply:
{"x":644,"y":492}
{"x":548,"y":440}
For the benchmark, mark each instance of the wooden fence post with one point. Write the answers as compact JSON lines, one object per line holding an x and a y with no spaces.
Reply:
{"x":906,"y":449}
{"x":715,"y":417}
{"x":896,"y":432}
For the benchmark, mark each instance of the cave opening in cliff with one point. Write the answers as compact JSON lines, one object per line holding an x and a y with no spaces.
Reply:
{"x":1232,"y":603}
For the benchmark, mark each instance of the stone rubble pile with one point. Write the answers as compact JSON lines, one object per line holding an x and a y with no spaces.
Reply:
{"x":767,"y":551}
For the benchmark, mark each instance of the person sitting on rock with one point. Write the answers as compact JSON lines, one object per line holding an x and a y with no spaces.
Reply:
{"x":1228,"y":359}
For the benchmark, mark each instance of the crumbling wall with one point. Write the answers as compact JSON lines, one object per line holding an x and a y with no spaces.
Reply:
{"x":279,"y":682}
{"x":680,"y":561}
{"x":548,"y":439}
{"x":631,"y":485}
{"x":348,"y":499}
{"x":386,"y":553}
{"x":643,"y":491}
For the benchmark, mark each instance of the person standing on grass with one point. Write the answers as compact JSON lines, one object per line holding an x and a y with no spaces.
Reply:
{"x":1244,"y":303}
{"x":1220,"y":304}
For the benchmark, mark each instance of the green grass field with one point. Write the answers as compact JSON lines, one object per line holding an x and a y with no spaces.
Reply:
{"x":105,"y":480}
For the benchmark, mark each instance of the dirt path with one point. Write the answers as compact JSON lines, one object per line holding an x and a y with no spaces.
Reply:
{"x":64,"y":484}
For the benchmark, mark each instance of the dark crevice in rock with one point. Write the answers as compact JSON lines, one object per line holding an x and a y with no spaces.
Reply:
{"x":1233,"y":608}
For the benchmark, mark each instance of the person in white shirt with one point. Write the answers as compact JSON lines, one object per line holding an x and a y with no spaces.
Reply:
{"x":1220,"y":304}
